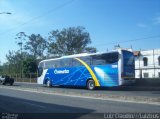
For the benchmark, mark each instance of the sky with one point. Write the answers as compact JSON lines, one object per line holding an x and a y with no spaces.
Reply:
{"x":129,"y":23}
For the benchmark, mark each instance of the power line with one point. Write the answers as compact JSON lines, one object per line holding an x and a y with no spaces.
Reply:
{"x":42,"y":15}
{"x":138,"y":39}
{"x":65,"y":4}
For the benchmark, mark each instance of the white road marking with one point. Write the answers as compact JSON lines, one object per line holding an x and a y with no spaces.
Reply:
{"x":85,"y":97}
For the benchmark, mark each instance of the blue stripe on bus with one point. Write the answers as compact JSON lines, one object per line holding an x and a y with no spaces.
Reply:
{"x":106,"y":75}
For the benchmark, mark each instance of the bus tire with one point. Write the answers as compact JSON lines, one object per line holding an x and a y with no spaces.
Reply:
{"x":90,"y":84}
{"x":48,"y":83}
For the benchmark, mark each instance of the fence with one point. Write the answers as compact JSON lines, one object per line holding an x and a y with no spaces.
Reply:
{"x":32,"y":78}
{"x":29,"y":77}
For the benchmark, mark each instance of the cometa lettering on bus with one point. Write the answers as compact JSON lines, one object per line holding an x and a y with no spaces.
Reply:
{"x":61,"y":71}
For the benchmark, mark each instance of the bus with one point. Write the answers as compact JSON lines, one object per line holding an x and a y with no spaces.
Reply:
{"x":108,"y":69}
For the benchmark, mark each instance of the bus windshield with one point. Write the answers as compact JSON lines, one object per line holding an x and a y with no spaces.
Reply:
{"x":40,"y":69}
{"x":128,"y":58}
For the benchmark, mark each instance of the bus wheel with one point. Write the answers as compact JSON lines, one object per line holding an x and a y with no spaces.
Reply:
{"x":48,"y":83}
{"x":90,"y":84}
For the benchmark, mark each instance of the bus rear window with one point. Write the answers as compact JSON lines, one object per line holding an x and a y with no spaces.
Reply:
{"x":128,"y":58}
{"x":111,"y":57}
{"x":107,"y":58}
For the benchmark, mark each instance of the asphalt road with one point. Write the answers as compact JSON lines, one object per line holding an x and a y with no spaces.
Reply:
{"x":119,"y":91}
{"x":14,"y":101}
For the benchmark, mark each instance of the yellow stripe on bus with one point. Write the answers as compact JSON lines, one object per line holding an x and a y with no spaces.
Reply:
{"x":90,"y":71}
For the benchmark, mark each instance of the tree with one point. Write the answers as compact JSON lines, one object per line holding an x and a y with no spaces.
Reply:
{"x":14,"y":62}
{"x":4,"y":69}
{"x":72,"y":40}
{"x":36,"y":45}
{"x":25,"y":60}
{"x":91,"y":49}
{"x":29,"y":64}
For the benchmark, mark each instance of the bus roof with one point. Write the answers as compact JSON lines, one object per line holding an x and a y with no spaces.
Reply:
{"x":82,"y":55}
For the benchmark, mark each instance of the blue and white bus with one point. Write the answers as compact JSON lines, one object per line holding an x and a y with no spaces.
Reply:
{"x":108,"y":69}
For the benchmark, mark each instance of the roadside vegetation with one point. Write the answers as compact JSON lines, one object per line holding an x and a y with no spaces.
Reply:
{"x":34,"y":48}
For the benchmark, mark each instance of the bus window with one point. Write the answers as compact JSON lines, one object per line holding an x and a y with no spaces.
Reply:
{"x":51,"y":64}
{"x":40,"y":71}
{"x":41,"y":65}
{"x":66,"y":62}
{"x":86,"y":59}
{"x":54,"y":64}
{"x":48,"y":64}
{"x":76,"y":63}
{"x":107,"y":58}
{"x":128,"y":58}
{"x":111,"y":57}
{"x":97,"y":60}
{"x":57,"y":63}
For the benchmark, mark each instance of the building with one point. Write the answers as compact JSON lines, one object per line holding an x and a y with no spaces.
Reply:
{"x":147,"y":64}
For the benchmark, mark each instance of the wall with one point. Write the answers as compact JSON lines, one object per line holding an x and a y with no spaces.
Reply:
{"x":153,"y":67}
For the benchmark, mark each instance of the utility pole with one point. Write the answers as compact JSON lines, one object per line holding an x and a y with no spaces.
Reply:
{"x":21,"y":36}
{"x":21,"y":44}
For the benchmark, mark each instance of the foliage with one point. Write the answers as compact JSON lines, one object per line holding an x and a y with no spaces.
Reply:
{"x":14,"y":62}
{"x":91,"y":49}
{"x":36,"y":45}
{"x":29,"y":65}
{"x":72,"y":40}
{"x":17,"y":65}
{"x":69,"y":41}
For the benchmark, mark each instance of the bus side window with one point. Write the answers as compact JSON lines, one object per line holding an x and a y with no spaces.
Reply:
{"x":111,"y":57}
{"x":66,"y":62}
{"x":54,"y":65}
{"x":47,"y":65}
{"x":51,"y":64}
{"x":86,"y":59}
{"x":75,"y":63}
{"x":58,"y":63}
{"x":70,"y":63}
{"x":98,"y":60}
